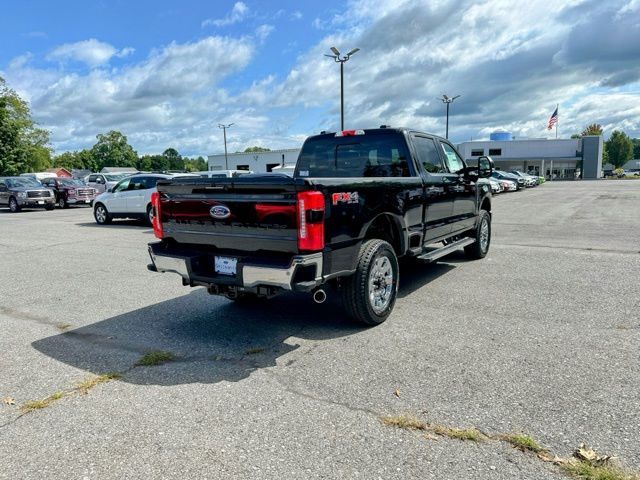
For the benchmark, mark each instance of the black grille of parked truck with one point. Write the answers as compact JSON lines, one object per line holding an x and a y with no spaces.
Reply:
{"x":358,"y":200}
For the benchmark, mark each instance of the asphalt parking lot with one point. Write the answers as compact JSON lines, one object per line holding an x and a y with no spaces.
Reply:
{"x":541,"y":337}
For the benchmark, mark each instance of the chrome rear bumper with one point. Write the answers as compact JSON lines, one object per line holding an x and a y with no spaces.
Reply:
{"x":249,"y":275}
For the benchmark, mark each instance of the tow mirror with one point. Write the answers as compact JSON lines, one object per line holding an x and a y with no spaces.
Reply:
{"x":485,"y":166}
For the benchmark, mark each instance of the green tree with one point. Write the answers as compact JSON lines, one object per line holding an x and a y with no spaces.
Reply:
{"x":174,"y":159}
{"x":24,"y":147}
{"x":113,"y":150}
{"x":636,"y":148}
{"x":619,"y":148}
{"x":256,"y":149}
{"x":198,"y":164}
{"x":593,"y":129}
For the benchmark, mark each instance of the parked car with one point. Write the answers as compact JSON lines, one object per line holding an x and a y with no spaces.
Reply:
{"x":70,"y":191}
{"x":495,"y":185}
{"x":104,"y":181}
{"x":502,"y":175}
{"x":508,"y":185}
{"x":529,"y":180}
{"x":25,"y":192}
{"x":130,"y":198}
{"x":357,"y":201}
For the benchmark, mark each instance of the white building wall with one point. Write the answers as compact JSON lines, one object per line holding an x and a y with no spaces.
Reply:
{"x":524,"y":149}
{"x":256,"y":161}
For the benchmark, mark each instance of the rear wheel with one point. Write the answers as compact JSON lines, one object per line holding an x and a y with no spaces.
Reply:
{"x":482,"y":235}
{"x":101,"y":214}
{"x":13,"y":205}
{"x":370,"y":293}
{"x":149,"y":218}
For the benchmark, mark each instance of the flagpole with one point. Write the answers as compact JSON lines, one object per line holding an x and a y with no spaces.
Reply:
{"x":557,"y":119}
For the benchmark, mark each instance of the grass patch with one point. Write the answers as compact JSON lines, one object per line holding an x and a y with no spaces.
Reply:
{"x":470,"y":434}
{"x":406,"y":422}
{"x":40,"y":404}
{"x":87,"y":384}
{"x":588,"y":471}
{"x":523,"y":442}
{"x":63,"y":327}
{"x":151,"y":359}
{"x":254,"y":350}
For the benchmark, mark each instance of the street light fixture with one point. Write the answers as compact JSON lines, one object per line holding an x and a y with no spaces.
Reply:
{"x":341,"y":59}
{"x":224,"y":130}
{"x":448,"y":100}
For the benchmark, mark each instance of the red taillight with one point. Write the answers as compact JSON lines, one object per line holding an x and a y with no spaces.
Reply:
{"x":310,"y":213}
{"x":156,"y":210}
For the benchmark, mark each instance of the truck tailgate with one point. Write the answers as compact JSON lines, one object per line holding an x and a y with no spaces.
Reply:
{"x":245,"y":214}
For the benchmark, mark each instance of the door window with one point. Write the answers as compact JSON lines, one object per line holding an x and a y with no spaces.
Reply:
{"x":428,"y":155}
{"x":93,"y":178}
{"x":123,"y":185}
{"x":454,"y":162}
{"x":150,"y":182}
{"x":137,"y":183}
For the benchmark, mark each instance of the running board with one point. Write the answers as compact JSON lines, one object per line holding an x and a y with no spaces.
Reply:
{"x":437,"y":253}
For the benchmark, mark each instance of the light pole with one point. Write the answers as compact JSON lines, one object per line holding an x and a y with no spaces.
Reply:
{"x":224,"y":131}
{"x":341,"y":59}
{"x":448,"y":101}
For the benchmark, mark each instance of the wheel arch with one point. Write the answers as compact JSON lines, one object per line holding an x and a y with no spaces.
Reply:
{"x":388,"y":227}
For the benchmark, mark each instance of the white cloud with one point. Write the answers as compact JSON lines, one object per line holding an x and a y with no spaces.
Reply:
{"x":238,"y":13}
{"x":263,"y":31}
{"x":92,"y":52}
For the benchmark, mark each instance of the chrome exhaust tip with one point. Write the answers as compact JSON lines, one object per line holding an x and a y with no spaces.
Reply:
{"x":319,"y":296}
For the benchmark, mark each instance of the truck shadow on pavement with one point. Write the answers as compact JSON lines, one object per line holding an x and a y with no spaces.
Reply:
{"x":213,"y":339}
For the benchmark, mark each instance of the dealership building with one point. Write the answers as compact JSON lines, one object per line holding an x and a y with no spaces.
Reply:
{"x":552,"y":158}
{"x":259,"y":162}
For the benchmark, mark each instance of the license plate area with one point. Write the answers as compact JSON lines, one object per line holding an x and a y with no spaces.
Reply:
{"x":225,"y":265}
{"x":40,"y":202}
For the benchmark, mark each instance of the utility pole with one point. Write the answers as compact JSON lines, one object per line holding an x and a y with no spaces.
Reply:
{"x":341,"y":59}
{"x":448,"y":100}
{"x":224,"y":132}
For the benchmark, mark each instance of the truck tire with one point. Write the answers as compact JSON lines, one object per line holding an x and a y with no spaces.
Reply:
{"x":482,"y":235}
{"x":62,"y":203}
{"x":370,"y":293}
{"x":13,"y":205}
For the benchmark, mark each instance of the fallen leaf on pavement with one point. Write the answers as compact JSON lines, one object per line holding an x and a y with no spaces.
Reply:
{"x":589,"y":455}
{"x":8,"y":401}
{"x":397,"y":393}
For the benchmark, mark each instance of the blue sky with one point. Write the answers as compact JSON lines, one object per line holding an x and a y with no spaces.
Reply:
{"x":166,"y":73}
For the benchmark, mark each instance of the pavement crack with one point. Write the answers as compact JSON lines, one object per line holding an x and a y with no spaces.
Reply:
{"x":309,"y":396}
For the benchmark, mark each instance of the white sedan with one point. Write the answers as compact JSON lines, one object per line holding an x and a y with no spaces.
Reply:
{"x":129,"y":198}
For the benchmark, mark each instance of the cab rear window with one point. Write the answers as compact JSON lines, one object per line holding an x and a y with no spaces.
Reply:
{"x":377,"y":155}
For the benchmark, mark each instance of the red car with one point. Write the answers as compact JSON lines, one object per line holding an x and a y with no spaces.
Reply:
{"x":70,"y":191}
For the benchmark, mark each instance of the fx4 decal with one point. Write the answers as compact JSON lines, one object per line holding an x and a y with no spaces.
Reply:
{"x":344,"y":197}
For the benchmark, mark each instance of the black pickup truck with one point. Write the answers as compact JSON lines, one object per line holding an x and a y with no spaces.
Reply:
{"x":358,"y":200}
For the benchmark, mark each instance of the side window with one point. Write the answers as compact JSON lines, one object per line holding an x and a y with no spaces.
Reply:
{"x":428,"y":155}
{"x":150,"y":182}
{"x":137,"y":183}
{"x":123,"y":185}
{"x":93,"y":178}
{"x":454,"y":162}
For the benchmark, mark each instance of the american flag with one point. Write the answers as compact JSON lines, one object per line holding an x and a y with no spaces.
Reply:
{"x":553,"y":120}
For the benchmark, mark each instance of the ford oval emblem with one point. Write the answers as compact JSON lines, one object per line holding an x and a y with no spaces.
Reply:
{"x":220,"y":212}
